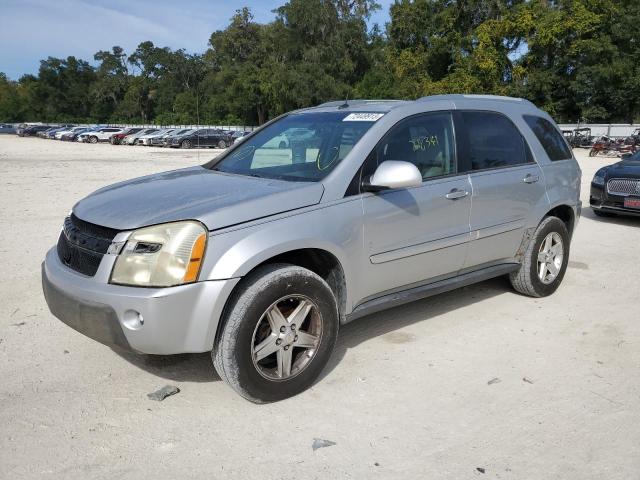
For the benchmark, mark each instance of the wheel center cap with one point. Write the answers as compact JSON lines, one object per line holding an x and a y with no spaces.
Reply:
{"x":288,"y":337}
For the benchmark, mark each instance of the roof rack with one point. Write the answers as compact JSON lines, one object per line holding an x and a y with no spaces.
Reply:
{"x":337,"y":103}
{"x":458,"y":96}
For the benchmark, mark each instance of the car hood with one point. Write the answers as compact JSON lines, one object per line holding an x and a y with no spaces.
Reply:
{"x":216,"y":199}
{"x":624,"y":169}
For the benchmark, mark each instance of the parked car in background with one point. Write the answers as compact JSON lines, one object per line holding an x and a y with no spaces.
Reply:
{"x":51,"y":134}
{"x":44,"y":133}
{"x":261,"y":254}
{"x":102,"y":134}
{"x":60,"y":133}
{"x":7,"y":128}
{"x":116,"y":138}
{"x":146,"y":139}
{"x":73,"y":134}
{"x":133,"y":138}
{"x":166,"y":141}
{"x":238,"y":135}
{"x":203,"y":137}
{"x":615,"y":189}
{"x":32,"y":130}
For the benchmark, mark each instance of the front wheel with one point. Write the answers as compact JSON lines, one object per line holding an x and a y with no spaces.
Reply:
{"x":185,"y":144}
{"x":545,"y":260}
{"x":278,"y":333}
{"x":93,"y":139}
{"x":222,"y":144}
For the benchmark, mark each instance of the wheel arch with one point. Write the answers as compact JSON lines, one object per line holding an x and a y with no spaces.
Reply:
{"x":565,"y":213}
{"x":320,"y":261}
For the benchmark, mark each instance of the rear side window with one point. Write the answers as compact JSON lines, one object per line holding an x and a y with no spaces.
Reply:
{"x":548,"y":135}
{"x":494,"y":141}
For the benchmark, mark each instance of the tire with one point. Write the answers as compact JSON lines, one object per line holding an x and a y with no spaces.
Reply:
{"x":593,"y":152}
{"x":245,"y":325}
{"x":527,"y":279}
{"x":185,"y":144}
{"x":114,"y":141}
{"x":93,"y":139}
{"x":222,"y":144}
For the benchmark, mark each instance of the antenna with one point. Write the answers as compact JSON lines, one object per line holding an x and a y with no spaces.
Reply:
{"x":346,"y":102}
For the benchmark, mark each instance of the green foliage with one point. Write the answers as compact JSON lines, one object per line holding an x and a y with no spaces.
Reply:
{"x":577,"y":59}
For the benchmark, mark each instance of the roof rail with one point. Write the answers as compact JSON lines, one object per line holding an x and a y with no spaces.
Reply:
{"x":337,"y":103}
{"x":459,"y":96}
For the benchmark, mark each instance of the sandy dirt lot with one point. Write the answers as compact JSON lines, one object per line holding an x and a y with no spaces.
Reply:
{"x":408,"y":393}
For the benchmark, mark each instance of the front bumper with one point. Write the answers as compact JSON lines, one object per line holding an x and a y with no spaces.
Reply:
{"x":600,"y":200}
{"x":180,"y":319}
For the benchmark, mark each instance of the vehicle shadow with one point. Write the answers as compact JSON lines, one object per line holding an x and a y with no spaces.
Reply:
{"x":388,"y":321}
{"x":630,"y":221}
{"x":186,"y":367}
{"x":197,"y":367}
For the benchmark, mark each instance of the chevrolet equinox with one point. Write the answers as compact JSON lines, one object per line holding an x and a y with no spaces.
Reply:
{"x":321,"y":216}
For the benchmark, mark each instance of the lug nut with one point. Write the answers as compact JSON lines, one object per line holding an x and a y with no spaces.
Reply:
{"x":278,"y":342}
{"x":286,"y":347}
{"x":282,"y":329}
{"x":293,"y":326}
{"x":295,"y":339}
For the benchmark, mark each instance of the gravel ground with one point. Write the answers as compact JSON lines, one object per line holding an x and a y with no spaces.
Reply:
{"x":476,"y":383}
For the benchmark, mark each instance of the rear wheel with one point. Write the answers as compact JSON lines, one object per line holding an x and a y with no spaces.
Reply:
{"x":222,"y":144}
{"x":278,"y":333}
{"x":185,"y":144}
{"x":93,"y":139}
{"x":545,"y":260}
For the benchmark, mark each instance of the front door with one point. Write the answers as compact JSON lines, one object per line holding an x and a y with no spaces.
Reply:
{"x":417,"y":234}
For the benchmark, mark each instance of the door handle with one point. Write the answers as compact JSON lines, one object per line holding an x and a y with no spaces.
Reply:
{"x":456,"y":194}
{"x":531,"y":178}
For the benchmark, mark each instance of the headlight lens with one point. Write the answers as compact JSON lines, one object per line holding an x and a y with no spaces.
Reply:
{"x":161,"y":256}
{"x":598,"y":178}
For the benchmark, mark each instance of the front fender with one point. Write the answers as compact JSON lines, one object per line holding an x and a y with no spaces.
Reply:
{"x":335,"y":228}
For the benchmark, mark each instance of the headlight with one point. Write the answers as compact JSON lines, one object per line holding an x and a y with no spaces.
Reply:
{"x":598,"y":178}
{"x":161,"y":256}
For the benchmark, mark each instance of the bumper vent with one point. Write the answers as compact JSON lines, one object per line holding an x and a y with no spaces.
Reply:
{"x":82,"y":245}
{"x":623,"y":186}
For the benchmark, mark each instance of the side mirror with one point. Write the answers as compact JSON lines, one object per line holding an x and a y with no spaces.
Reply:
{"x":394,"y":174}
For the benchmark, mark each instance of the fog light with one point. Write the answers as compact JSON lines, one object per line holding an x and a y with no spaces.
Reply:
{"x":132,"y":320}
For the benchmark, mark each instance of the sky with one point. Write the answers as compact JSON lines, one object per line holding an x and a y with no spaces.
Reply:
{"x":32,"y":30}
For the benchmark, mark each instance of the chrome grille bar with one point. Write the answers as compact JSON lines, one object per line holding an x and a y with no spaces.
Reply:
{"x":623,"y":186}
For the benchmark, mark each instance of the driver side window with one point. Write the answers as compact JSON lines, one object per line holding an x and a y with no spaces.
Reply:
{"x":425,"y":140}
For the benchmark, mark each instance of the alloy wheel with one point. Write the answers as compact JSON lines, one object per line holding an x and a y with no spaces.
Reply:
{"x":550,"y":257}
{"x":286,"y":337}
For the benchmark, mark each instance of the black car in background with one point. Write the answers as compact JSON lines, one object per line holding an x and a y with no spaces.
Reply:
{"x":615,"y":189}
{"x":32,"y":130}
{"x":203,"y":137}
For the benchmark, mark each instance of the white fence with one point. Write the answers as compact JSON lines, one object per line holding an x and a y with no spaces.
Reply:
{"x":608,"y":129}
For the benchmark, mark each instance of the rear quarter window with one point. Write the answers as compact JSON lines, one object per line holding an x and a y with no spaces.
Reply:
{"x":547,"y":134}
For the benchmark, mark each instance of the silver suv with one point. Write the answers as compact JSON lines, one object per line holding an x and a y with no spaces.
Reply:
{"x":321,"y":216}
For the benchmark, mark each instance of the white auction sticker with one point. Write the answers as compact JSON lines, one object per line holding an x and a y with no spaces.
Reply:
{"x":362,"y":117}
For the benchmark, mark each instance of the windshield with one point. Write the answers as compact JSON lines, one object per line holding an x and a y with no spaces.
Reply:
{"x":300,"y":147}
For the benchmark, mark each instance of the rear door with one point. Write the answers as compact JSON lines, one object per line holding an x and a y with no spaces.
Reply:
{"x":414,"y":235}
{"x":506,"y":183}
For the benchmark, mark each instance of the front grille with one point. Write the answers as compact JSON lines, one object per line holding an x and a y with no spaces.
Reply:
{"x":82,"y":245}
{"x":623,"y":186}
